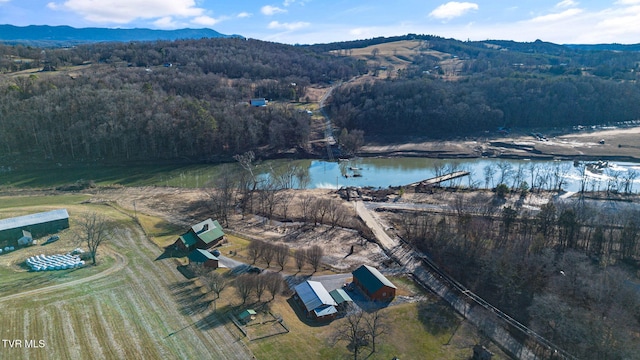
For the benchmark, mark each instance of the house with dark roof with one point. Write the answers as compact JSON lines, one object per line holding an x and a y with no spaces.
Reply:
{"x":316,"y":301}
{"x":373,"y":284}
{"x":204,"y":257}
{"x":200,"y":236}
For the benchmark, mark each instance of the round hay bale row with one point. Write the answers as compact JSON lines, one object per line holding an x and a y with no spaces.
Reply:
{"x":53,"y":262}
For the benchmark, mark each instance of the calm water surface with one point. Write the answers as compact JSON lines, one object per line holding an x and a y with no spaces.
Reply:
{"x":384,"y":172}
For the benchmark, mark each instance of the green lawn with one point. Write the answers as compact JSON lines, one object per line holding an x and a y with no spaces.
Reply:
{"x":130,"y":175}
{"x":7,"y":202}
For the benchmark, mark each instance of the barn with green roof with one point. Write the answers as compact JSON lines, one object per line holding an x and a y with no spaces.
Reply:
{"x":202,"y":235}
{"x":373,"y":284}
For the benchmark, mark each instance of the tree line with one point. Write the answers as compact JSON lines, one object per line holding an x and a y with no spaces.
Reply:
{"x":161,"y":100}
{"x":563,"y":270}
{"x":434,"y":108}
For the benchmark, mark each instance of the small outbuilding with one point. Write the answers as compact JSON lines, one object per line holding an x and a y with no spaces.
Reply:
{"x":258,"y":102}
{"x":341,"y":298}
{"x":203,"y":257}
{"x":26,"y":239}
{"x":200,"y":236}
{"x":316,"y":301}
{"x":247,"y":315}
{"x":373,"y":284}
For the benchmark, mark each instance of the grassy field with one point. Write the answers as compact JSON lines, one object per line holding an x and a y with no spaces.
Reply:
{"x":133,"y":313}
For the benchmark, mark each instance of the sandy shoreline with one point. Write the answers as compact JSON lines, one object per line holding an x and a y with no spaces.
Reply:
{"x":621,"y":144}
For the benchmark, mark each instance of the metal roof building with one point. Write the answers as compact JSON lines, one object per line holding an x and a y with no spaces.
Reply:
{"x":316,"y":300}
{"x":38,"y":224}
{"x":204,"y":257}
{"x":201,"y":235}
{"x":375,"y":285}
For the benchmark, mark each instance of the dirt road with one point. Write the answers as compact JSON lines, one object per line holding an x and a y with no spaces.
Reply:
{"x":121,"y":262}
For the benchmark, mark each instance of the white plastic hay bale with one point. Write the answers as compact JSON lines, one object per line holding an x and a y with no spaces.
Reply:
{"x":0,"y":250}
{"x":11,"y":248}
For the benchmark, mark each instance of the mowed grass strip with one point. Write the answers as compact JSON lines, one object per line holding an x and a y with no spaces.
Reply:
{"x":8,"y":202}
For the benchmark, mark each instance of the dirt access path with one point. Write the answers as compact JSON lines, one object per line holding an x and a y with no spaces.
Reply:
{"x":121,"y":262}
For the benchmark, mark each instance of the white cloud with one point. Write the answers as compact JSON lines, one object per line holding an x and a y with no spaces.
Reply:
{"x":452,"y":10}
{"x":288,"y":26}
{"x":166,"y":22}
{"x":243,"y":15}
{"x":627,"y":2}
{"x":566,"y":4}
{"x":125,"y":11}
{"x":206,"y":20}
{"x":271,"y":10}
{"x":557,"y":16}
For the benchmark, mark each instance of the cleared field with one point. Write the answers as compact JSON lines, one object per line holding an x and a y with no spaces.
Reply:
{"x":131,"y":313}
{"x":393,"y":55}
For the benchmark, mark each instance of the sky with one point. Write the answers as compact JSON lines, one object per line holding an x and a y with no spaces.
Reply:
{"x":324,"y":21}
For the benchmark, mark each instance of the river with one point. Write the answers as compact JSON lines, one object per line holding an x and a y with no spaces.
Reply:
{"x":485,"y":172}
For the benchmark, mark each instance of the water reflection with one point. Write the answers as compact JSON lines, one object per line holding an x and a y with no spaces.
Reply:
{"x":484,"y":173}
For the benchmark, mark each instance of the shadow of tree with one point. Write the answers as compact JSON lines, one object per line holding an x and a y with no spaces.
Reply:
{"x":190,"y":298}
{"x":437,"y":317}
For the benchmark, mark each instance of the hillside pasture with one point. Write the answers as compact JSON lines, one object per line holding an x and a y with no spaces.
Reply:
{"x":395,"y":55}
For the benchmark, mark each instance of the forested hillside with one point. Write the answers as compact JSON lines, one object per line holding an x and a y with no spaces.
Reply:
{"x":435,"y":108}
{"x":187,"y":99}
{"x":481,"y":86}
{"x":159,"y":100}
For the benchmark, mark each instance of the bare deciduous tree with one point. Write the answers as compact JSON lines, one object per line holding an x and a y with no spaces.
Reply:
{"x":259,"y":285}
{"x":354,"y":331}
{"x":282,"y":255}
{"x":337,"y":213}
{"x":221,"y":197}
{"x":305,"y":207}
{"x":268,"y":253}
{"x":300,"y":256}
{"x":216,"y":283}
{"x":245,"y":286}
{"x":274,"y":283}
{"x":314,"y":256}
{"x":93,"y":229}
{"x":255,"y":249}
{"x":377,"y":325}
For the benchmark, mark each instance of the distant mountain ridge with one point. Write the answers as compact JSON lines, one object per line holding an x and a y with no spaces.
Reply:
{"x":60,"y":35}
